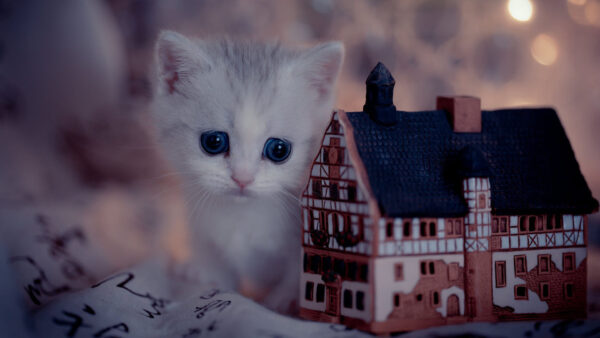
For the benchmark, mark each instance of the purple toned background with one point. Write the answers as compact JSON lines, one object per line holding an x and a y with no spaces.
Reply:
{"x":75,"y":83}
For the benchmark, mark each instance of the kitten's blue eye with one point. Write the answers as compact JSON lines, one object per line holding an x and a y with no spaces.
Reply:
{"x":214,"y":142}
{"x":277,"y":150}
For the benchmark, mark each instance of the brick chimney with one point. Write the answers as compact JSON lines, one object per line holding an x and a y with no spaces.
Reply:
{"x":464,"y":112}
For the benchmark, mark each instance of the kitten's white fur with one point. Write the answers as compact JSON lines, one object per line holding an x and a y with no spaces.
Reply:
{"x":247,"y":241}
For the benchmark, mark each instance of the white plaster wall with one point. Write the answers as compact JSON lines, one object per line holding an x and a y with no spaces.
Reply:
{"x":445,"y":293}
{"x":505,"y":296}
{"x":311,"y":304}
{"x":401,"y":245}
{"x":385,"y":279}
{"x":353,"y":312}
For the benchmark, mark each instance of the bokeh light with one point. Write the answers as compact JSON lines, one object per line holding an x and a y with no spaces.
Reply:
{"x":520,"y":10}
{"x":577,"y":2}
{"x":592,"y":13}
{"x":544,"y":50}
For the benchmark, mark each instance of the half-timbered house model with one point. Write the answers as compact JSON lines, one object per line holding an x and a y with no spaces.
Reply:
{"x":416,"y":219}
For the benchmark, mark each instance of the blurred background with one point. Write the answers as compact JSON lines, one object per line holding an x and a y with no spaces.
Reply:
{"x":75,"y":82}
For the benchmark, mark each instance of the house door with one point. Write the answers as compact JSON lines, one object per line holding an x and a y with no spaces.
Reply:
{"x":452,"y":306}
{"x":332,"y":300}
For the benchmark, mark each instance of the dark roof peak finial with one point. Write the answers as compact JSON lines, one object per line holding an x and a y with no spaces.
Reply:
{"x":380,"y":75}
{"x":380,"y":96}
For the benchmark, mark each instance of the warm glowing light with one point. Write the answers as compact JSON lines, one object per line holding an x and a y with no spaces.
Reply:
{"x":544,"y":49}
{"x":592,"y":13}
{"x":520,"y":10}
{"x":578,"y":2}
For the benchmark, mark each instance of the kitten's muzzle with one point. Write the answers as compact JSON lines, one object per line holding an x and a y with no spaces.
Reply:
{"x":242,"y":181}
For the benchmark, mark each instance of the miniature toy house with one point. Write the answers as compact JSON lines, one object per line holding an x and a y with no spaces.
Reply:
{"x":417,"y":219}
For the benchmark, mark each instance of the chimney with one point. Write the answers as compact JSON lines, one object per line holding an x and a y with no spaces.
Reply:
{"x":464,"y":112}
{"x":380,"y":96}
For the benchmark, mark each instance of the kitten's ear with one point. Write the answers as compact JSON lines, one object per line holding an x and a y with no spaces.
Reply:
{"x":177,"y":57}
{"x":321,"y":66}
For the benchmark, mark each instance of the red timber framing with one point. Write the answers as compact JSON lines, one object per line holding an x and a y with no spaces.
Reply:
{"x":535,"y":232}
{"x":345,"y":237}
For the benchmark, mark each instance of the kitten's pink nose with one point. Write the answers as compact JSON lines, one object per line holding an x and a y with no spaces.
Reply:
{"x":242,"y":181}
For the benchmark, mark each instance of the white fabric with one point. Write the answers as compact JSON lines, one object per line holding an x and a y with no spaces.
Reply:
{"x":55,"y":256}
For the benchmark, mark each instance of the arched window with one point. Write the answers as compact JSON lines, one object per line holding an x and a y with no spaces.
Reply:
{"x":522,"y":225}
{"x":389,"y":229}
{"x":432,"y":229}
{"x":532,"y":223}
{"x":406,"y":229}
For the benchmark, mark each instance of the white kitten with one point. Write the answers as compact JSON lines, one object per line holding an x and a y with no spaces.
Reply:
{"x":242,"y":123}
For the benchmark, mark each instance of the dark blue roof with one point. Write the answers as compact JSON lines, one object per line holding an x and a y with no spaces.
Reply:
{"x":415,"y":167}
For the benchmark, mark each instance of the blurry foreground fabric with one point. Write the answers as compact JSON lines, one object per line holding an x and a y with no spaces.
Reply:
{"x":77,"y":284}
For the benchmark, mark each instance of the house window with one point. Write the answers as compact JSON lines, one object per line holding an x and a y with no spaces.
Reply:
{"x":389,"y":229}
{"x":352,"y":192}
{"x":558,"y":221}
{"x":406,"y":229}
{"x":364,"y":272}
{"x":432,"y":229}
{"x":334,"y":192}
{"x":305,"y":263}
{"x":423,"y":229}
{"x":427,"y":268}
{"x":521,"y":292}
{"x":569,"y":290}
{"x":549,"y":222}
{"x":326,"y":263}
{"x":504,"y":224}
{"x":317,"y":188}
{"x":319,"y":221}
{"x":339,"y":267}
{"x":458,"y":226}
{"x":453,"y":271}
{"x":308,"y":294}
{"x":543,"y":264}
{"x":495,"y":225}
{"x":320,"y":293}
{"x":360,"y":300}
{"x":347,"y":299}
{"x":500,"y":274}
{"x":399,"y":271}
{"x":428,"y":230}
{"x":482,"y":201}
{"x":449,"y":227}
{"x":532,"y":223}
{"x":520,"y":265}
{"x":435,"y":298}
{"x":568,"y":262}
{"x":499,"y":225}
{"x":419,"y":297}
{"x":315,"y":263}
{"x":522,"y":225}
{"x":352,"y":267}
{"x":544,"y":290}
{"x":553,"y":222}
{"x":396,"y":300}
